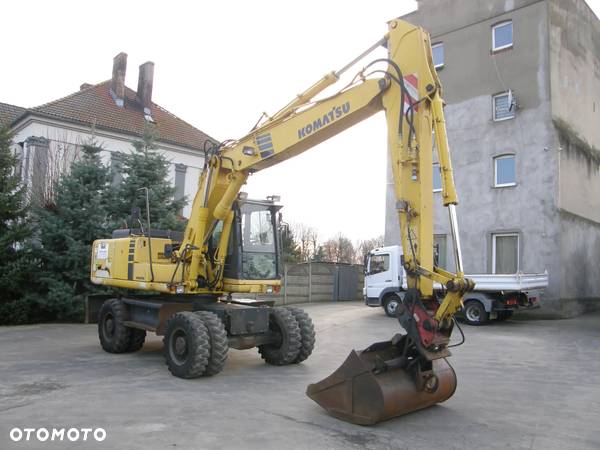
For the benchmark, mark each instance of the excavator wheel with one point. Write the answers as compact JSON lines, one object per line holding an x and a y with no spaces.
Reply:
{"x":187,"y":345}
{"x":218,"y":342}
{"x":137,"y":338}
{"x":114,"y":336}
{"x":287,"y":349}
{"x":307,"y":333}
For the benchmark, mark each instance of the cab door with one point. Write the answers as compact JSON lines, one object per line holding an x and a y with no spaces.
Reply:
{"x":379,"y":274}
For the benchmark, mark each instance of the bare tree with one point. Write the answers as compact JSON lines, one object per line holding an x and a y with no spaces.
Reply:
{"x":46,"y":161}
{"x":308,"y":240}
{"x":364,"y":247}
{"x":338,"y":249}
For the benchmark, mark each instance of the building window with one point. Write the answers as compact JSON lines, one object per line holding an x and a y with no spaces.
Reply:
{"x":502,"y":36}
{"x":437,"y":50}
{"x":439,"y":250}
{"x":503,"y":106}
{"x":505,"y":253}
{"x":437,"y":178}
{"x":378,"y":264}
{"x":505,"y":173}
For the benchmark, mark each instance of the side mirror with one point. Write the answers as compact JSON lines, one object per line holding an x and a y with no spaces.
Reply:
{"x":135,"y":214}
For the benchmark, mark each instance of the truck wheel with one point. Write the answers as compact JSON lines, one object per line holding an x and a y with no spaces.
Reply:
{"x":391,"y":305}
{"x":187,"y":345}
{"x":219,"y":344}
{"x":114,"y":336}
{"x":137,"y":338}
{"x":307,"y":333}
{"x":475,"y":313}
{"x":287,"y":348}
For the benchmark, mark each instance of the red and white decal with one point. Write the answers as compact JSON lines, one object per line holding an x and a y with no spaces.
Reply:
{"x":411,"y":83}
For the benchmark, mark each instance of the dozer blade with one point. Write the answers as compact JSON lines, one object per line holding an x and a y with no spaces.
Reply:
{"x":363,"y":392}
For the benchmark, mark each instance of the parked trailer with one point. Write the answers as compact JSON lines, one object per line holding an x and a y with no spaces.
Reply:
{"x":496,"y":296}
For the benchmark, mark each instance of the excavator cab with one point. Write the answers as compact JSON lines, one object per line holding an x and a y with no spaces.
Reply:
{"x":254,"y":250}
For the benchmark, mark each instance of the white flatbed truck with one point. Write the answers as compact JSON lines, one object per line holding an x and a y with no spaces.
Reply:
{"x":496,"y":296}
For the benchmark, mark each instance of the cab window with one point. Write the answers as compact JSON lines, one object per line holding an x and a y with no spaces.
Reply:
{"x":379,"y":263}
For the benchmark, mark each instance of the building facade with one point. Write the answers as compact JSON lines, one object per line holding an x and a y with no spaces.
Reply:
{"x":49,"y":137}
{"x":521,"y":80}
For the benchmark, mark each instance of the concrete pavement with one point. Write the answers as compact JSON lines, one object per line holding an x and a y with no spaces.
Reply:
{"x":521,"y":384}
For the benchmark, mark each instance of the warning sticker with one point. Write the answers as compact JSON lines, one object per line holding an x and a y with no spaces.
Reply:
{"x":102,"y":251}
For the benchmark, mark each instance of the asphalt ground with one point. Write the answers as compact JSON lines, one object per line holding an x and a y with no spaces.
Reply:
{"x":521,"y":384}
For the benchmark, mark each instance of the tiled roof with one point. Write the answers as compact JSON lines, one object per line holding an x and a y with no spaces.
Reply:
{"x":94,"y":106}
{"x":8,"y":113}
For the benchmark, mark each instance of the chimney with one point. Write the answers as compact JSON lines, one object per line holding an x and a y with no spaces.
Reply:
{"x":144,"y":89}
{"x":117,"y":84}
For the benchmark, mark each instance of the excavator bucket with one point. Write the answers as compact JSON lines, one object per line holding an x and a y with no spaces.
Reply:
{"x":381,"y":382}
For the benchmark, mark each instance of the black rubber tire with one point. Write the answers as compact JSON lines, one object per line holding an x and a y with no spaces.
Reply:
{"x":474,"y":313}
{"x":114,"y":336}
{"x":307,"y":333}
{"x":219,"y":345}
{"x":504,"y":315}
{"x":187,"y":345}
{"x":285,"y":352}
{"x":390,"y":305}
{"x":137,"y":338}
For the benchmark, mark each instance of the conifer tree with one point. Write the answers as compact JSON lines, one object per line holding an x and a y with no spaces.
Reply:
{"x":147,"y":167}
{"x":67,"y":228}
{"x":16,"y":259}
{"x":289,"y":247}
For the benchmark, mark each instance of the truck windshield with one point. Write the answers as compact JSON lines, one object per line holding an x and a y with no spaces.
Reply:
{"x":378,"y":264}
{"x":259,"y":260}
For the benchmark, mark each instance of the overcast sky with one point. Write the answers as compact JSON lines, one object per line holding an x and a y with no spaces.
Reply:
{"x":219,"y":65}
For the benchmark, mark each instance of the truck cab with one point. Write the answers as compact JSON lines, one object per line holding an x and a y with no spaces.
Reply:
{"x":496,"y":296}
{"x":383,"y":279}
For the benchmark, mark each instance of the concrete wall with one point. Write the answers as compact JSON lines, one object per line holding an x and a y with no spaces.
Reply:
{"x":574,"y":39}
{"x":470,"y":69}
{"x":580,"y":258}
{"x":579,"y":180}
{"x":579,"y":206}
{"x":575,"y":67}
{"x":310,"y":282}
{"x":58,"y":132}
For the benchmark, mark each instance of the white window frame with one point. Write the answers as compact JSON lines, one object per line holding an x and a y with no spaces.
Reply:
{"x":440,"y":171}
{"x":438,"y":66}
{"x":494,"y":97}
{"x":498,"y":25}
{"x":445,"y":238}
{"x":494,"y":236}
{"x":505,"y":156}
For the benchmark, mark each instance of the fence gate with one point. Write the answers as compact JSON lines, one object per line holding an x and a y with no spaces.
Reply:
{"x":346,"y":282}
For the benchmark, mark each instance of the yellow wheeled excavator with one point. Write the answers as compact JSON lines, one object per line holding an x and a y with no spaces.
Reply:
{"x":231,"y":246}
